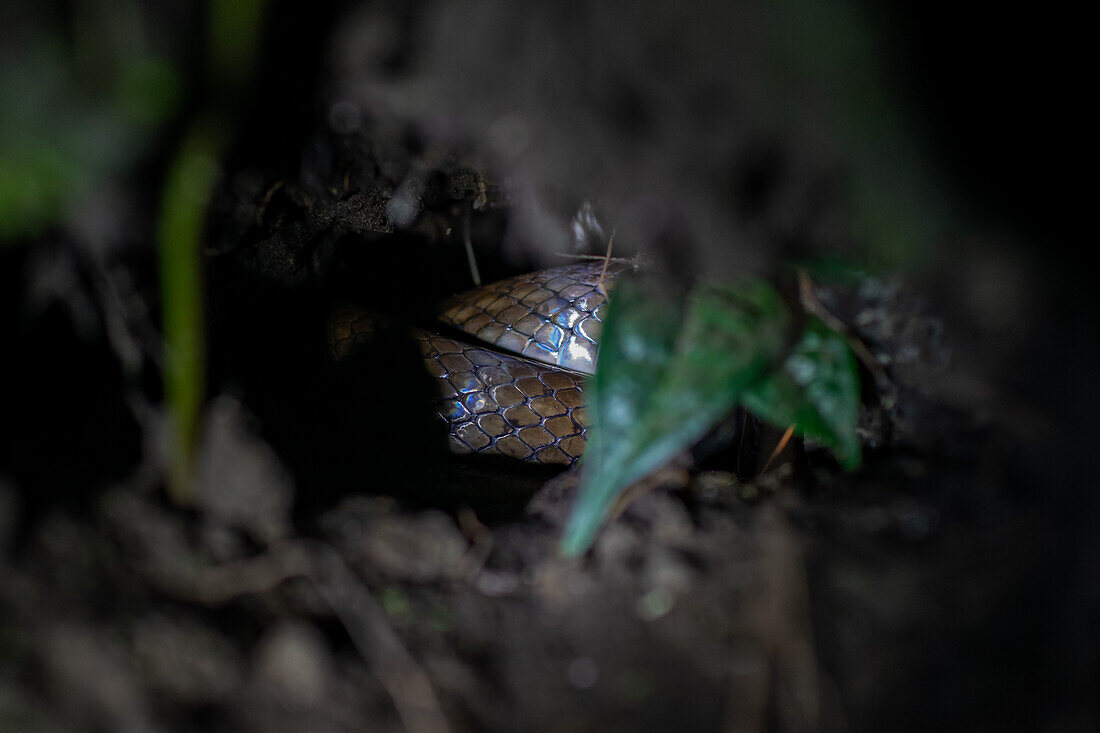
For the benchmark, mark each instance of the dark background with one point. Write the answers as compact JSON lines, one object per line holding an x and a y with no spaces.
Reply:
{"x":992,"y":111}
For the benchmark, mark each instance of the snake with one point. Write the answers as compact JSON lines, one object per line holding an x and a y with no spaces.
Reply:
{"x":518,"y":390}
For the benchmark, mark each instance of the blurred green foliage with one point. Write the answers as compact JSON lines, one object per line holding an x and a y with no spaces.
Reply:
{"x":670,"y":369}
{"x":85,"y":97}
{"x":187,"y":193}
{"x":234,"y":36}
{"x":829,"y":73}
{"x":76,"y":114}
{"x":816,"y":390}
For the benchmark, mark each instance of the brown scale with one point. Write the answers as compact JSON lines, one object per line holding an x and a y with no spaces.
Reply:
{"x":553,"y":316}
{"x":498,"y":403}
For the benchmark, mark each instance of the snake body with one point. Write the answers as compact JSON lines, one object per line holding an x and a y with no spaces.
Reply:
{"x":528,"y":404}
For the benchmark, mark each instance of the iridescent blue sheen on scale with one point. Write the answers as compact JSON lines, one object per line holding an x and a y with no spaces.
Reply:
{"x":529,"y":406}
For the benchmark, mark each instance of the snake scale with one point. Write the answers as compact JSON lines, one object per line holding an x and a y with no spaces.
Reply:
{"x":521,"y":393}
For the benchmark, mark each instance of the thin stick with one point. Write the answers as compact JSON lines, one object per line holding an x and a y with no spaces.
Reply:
{"x":267,"y":200}
{"x":812,"y":305}
{"x":778,"y":448}
{"x":606,"y":262}
{"x":470,"y":259}
{"x":572,"y":256}
{"x":378,"y":644}
{"x":408,"y":685}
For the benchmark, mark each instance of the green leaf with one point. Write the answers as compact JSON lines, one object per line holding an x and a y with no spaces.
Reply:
{"x":667,"y":374}
{"x":817,"y":391}
{"x":637,"y":343}
{"x":187,"y":191}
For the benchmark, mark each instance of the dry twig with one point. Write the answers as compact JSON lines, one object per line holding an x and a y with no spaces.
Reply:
{"x":351,"y":601}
